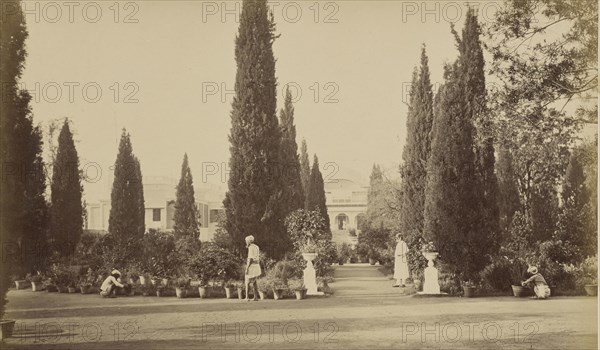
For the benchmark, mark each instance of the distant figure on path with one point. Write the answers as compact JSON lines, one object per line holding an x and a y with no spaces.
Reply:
{"x":110,"y":283}
{"x":538,"y":283}
{"x":253,"y":269}
{"x":401,"y":262}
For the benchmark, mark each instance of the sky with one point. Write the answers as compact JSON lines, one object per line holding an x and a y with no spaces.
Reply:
{"x":165,"y":71}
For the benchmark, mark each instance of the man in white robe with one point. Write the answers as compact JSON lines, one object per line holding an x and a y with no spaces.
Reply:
{"x":401,"y":262}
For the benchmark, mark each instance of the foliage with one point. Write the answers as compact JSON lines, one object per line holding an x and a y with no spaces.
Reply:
{"x":186,"y":214}
{"x":589,"y":271}
{"x":303,"y":225}
{"x":263,"y":284}
{"x":254,"y":189}
{"x":416,"y":152}
{"x":66,"y":211}
{"x":127,"y":213}
{"x":501,"y":273}
{"x":158,"y":248}
{"x":343,"y":252}
{"x":212,"y":262}
{"x":375,"y":241}
{"x":545,"y":54}
{"x":293,"y":193}
{"x":295,"y":284}
{"x":304,"y":169}
{"x":315,"y":196}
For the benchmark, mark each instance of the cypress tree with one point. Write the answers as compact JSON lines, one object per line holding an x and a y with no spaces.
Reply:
{"x":373,"y":211}
{"x":186,"y":213}
{"x":66,"y":214}
{"x":24,"y":207}
{"x":415,"y":156}
{"x":254,"y":192}
{"x":293,"y":193}
{"x":576,"y":228}
{"x":315,"y":199}
{"x":452,"y":219}
{"x":126,"y":221}
{"x":508,"y":192}
{"x":304,"y":168}
{"x":473,"y":82}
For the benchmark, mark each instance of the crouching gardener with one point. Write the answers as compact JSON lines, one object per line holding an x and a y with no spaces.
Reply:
{"x":110,"y":283}
{"x":538,"y":283}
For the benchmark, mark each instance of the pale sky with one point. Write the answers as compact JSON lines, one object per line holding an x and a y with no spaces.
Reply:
{"x":357,"y":56}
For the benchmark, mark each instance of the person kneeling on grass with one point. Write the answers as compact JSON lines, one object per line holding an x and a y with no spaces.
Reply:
{"x":110,"y":283}
{"x":538,"y":283}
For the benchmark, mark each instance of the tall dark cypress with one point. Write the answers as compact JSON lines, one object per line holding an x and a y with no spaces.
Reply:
{"x":186,"y":212}
{"x":23,"y":207}
{"x":66,"y":213}
{"x":315,"y":198}
{"x":304,"y":168}
{"x":473,"y":82}
{"x":126,"y":221}
{"x":415,"y":156}
{"x":508,"y":192}
{"x":254,"y":190}
{"x":452,"y":219}
{"x":293,"y":193}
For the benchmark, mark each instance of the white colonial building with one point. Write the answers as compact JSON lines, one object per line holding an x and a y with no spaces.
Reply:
{"x":346,"y":206}
{"x":159,"y":200}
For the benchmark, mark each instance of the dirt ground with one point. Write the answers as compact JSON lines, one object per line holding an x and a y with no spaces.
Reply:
{"x":365,"y":312}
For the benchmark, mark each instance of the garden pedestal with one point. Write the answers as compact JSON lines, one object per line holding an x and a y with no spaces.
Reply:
{"x":431,"y":285}
{"x":310,"y":275}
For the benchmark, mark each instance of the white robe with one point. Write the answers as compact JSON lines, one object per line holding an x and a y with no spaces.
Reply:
{"x":401,"y":261}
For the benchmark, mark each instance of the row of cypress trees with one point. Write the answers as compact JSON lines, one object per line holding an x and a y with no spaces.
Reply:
{"x":268,"y":180}
{"x":449,"y":185}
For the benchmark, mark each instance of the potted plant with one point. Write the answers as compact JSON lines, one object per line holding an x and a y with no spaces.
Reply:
{"x":516,"y":269}
{"x":181,"y":285}
{"x":229,"y":289}
{"x":297,"y":286}
{"x":469,"y":288}
{"x":134,"y":276}
{"x":263,"y":287}
{"x":50,"y":285}
{"x":278,"y":285}
{"x":88,"y":282}
{"x":20,"y":283}
{"x":36,"y":282}
{"x":589,"y":276}
{"x":239,"y":286}
{"x":147,"y":290}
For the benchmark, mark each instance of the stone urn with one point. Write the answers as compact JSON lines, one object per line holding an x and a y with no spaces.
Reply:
{"x":431,"y":284}
{"x":310,"y":275}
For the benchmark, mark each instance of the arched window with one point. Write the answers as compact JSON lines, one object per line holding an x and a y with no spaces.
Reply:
{"x":341,"y":221}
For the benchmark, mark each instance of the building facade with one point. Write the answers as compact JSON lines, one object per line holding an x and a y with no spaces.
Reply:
{"x":346,"y":206}
{"x":159,"y":201}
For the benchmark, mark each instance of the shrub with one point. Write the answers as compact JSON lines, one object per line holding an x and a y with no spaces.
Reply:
{"x":212,"y":262}
{"x":295,"y":284}
{"x":343,"y":252}
{"x":263,"y":284}
{"x":500,"y":274}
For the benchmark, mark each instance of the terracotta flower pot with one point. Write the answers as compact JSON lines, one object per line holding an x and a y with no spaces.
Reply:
{"x":468,"y":291}
{"x":71,"y":290}
{"x":204,"y":292}
{"x":37,"y":286}
{"x":51,"y":288}
{"x":372,"y":261}
{"x":6,"y":328}
{"x":262,"y":294}
{"x":240,"y":293}
{"x":591,"y":289}
{"x":299,"y":294}
{"x":277,"y":294}
{"x":21,"y":284}
{"x":181,"y":292}
{"x":519,"y":291}
{"x":229,"y":292}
